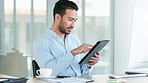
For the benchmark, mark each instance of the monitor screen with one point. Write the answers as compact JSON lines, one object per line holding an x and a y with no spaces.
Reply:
{"x":138,"y":55}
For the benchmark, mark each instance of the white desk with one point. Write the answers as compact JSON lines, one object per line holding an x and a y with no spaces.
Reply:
{"x":99,"y":79}
{"x":96,"y":78}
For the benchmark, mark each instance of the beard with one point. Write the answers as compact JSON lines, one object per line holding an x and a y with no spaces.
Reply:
{"x":64,"y":30}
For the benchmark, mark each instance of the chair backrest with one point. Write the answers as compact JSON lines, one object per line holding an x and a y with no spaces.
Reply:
{"x":35,"y":67}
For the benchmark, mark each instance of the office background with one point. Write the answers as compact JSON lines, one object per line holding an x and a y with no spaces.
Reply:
{"x":22,"y":21}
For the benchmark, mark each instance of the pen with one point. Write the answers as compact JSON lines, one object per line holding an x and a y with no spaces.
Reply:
{"x":63,"y":76}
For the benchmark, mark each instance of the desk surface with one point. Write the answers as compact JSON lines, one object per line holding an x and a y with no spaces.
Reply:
{"x":98,"y":79}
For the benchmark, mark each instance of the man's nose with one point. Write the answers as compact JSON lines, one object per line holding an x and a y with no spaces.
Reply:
{"x":72,"y":24}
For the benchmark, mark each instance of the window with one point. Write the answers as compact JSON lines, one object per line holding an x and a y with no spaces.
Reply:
{"x":93,"y":25}
{"x":26,"y":20}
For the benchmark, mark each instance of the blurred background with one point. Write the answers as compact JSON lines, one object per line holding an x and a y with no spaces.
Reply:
{"x":23,"y":21}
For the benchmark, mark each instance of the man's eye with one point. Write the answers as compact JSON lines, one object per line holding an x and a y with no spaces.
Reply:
{"x":70,"y":20}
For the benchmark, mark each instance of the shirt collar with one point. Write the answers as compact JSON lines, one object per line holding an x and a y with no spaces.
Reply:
{"x":54,"y":34}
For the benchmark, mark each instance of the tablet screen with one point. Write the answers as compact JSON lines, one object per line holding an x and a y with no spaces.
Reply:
{"x":96,"y":48}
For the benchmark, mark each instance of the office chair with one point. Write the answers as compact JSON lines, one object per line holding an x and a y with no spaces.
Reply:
{"x":35,"y":67}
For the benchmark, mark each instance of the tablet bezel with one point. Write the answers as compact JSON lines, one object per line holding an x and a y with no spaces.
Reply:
{"x":96,"y":48}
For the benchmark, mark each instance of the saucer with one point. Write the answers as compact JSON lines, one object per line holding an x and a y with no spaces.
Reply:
{"x":41,"y":77}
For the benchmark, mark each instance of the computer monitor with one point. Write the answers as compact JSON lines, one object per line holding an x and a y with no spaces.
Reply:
{"x":138,"y":54}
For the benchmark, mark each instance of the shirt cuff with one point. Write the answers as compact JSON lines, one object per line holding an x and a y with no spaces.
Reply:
{"x":85,"y":67}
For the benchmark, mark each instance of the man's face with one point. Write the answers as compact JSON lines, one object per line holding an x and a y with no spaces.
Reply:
{"x":67,"y":22}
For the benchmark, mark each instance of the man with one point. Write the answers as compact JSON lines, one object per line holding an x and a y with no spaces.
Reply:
{"x":58,"y":48}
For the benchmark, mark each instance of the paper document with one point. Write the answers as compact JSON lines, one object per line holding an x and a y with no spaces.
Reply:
{"x":127,"y":76}
{"x":1,"y":80}
{"x":68,"y":80}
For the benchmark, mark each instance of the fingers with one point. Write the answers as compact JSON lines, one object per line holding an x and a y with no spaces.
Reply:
{"x":93,"y":60}
{"x":97,"y":55}
{"x":85,"y":48}
{"x":81,"y":49}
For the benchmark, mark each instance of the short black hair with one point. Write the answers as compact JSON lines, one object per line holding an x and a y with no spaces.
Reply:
{"x":62,"y":5}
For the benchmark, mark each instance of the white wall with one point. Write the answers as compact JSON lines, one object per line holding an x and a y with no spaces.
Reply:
{"x":122,"y":29}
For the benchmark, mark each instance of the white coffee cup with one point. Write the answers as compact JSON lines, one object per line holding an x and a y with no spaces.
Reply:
{"x":44,"y":73}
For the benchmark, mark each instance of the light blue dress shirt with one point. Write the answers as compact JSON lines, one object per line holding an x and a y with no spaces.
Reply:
{"x":50,"y":51}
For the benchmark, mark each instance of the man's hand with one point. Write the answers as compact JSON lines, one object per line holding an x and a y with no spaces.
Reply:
{"x":81,"y":49}
{"x":93,"y":60}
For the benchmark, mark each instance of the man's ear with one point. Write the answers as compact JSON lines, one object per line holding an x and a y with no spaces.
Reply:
{"x":57,"y":17}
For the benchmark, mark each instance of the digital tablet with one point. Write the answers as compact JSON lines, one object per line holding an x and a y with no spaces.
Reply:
{"x":95,"y":49}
